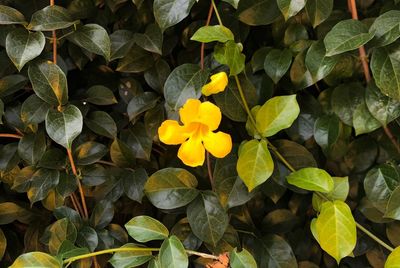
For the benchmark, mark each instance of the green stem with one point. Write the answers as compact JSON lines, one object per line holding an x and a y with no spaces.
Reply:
{"x":216,"y":13}
{"x":246,"y":106}
{"x":135,"y":249}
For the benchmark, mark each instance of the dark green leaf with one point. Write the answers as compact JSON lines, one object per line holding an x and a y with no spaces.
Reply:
{"x":23,"y":46}
{"x":53,"y":159}
{"x":102,"y":214}
{"x":8,"y":156}
{"x":140,"y":104}
{"x":258,"y":12}
{"x":51,"y":18}
{"x":64,"y":126}
{"x":170,"y":12}
{"x":231,"y":54}
{"x":121,"y":43}
{"x":11,"y":84}
{"x":171,"y":188}
{"x":363,"y":121}
{"x":145,"y":229}
{"x":318,"y":10}
{"x":138,"y":141}
{"x":151,"y":40}
{"x":58,"y":232}
{"x":100,"y":95}
{"x":317,"y":63}
{"x":34,"y":110}
{"x":9,"y":15}
{"x":31,"y":147}
{"x":90,"y":152}
{"x":1,"y":111}
{"x":137,"y":60}
{"x":157,"y":75}
{"x":43,"y":181}
{"x":213,"y":33}
{"x":102,"y":124}
{"x":207,"y":218}
{"x":345,"y":36}
{"x":87,"y":238}
{"x":289,"y":8}
{"x":134,"y":184}
{"x":277,"y":62}
{"x":49,"y":82}
{"x":345,"y":99}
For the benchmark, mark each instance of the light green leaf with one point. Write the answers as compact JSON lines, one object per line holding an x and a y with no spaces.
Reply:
{"x":9,"y":15}
{"x":51,"y":18}
{"x":23,"y":46}
{"x":345,"y":36}
{"x":258,"y":12}
{"x":65,"y":125}
{"x":207,"y":218}
{"x":318,"y":10}
{"x":393,"y":260}
{"x":289,"y":8}
{"x":145,"y":228}
{"x":336,"y":229}
{"x":340,"y":191}
{"x":213,"y":33}
{"x":276,"y":114}
{"x":277,"y":63}
{"x":93,"y":38}
{"x":172,"y":254}
{"x":36,"y":260}
{"x":49,"y":82}
{"x":241,"y":259}
{"x":130,"y":258}
{"x":312,"y":179}
{"x":170,"y":12}
{"x":385,"y":66}
{"x":386,"y":28}
{"x":184,"y":82}
{"x":255,"y":164}
{"x":171,"y":188}
{"x":230,"y":54}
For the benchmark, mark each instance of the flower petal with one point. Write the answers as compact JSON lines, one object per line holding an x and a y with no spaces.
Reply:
{"x":192,"y":152}
{"x":170,"y":132}
{"x":190,"y":110}
{"x":218,"y":144}
{"x":209,"y":115}
{"x":218,"y":83}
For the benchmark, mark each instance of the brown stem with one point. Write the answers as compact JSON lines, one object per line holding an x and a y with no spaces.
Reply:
{"x":82,"y":194}
{"x":54,"y":36}
{"x":8,"y":135}
{"x":210,"y":12}
{"x":76,"y":204}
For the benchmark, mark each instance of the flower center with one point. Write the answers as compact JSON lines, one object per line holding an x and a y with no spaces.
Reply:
{"x":197,"y":130}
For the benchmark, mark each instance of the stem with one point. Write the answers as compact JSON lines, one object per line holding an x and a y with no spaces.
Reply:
{"x":392,"y":138}
{"x":71,"y":160}
{"x":216,"y":13}
{"x":374,"y":237}
{"x":246,"y":106}
{"x":137,"y":249}
{"x":7,"y":135}
{"x":54,"y":37}
{"x":210,"y":12}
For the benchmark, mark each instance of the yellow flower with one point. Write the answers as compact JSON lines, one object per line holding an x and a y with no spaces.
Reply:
{"x":217,"y":84}
{"x":196,"y":135}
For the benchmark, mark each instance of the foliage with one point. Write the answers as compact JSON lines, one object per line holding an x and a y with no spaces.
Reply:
{"x":286,"y":113}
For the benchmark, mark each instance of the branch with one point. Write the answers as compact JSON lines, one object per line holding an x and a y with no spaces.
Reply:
{"x":8,"y":135}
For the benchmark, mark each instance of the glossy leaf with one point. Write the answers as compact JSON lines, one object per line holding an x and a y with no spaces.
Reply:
{"x":256,"y":12}
{"x":171,"y":188}
{"x":151,"y":40}
{"x":393,"y":205}
{"x":255,"y":164}
{"x":34,"y":110}
{"x":144,"y":229}
{"x":102,"y":124}
{"x":49,"y":82}
{"x":31,"y":147}
{"x":168,"y":13}
{"x":130,"y":258}
{"x":289,"y":8}
{"x":100,"y":95}
{"x":43,"y":181}
{"x":363,"y":121}
{"x":277,"y":63}
{"x":213,"y":33}
{"x":9,"y":15}
{"x":345,"y":36}
{"x":60,"y":231}
{"x":36,"y":259}
{"x":64,"y":126}
{"x":51,"y":18}
{"x":393,"y":259}
{"x":318,"y":10}
{"x":318,"y":63}
{"x":312,"y":179}
{"x":345,"y":99}
{"x":386,"y":28}
{"x":23,"y":46}
{"x":140,"y":104}
{"x":89,"y":153}
{"x":172,"y":254}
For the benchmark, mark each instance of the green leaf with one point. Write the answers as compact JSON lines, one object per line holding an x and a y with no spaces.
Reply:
{"x":11,"y":84}
{"x":345,"y":99}
{"x":130,"y":258}
{"x":121,"y":43}
{"x":184,"y":82}
{"x":340,"y":191}
{"x":36,"y":259}
{"x":258,"y":12}
{"x":10,"y":212}
{"x":393,"y":205}
{"x":9,"y":15}
{"x":140,"y":104}
{"x":234,"y":3}
{"x":336,"y":229}
{"x":213,"y":33}
{"x":23,"y":46}
{"x":157,"y":75}
{"x":231,"y":54}
{"x":312,"y":179}
{"x":3,"y":244}
{"x":138,"y":141}
{"x":65,"y":125}
{"x":8,"y":156}
{"x":277,"y":63}
{"x":327,"y":130}
{"x":1,"y":111}
{"x":207,"y":218}
{"x":300,"y":76}
{"x":102,"y":124}
{"x":171,"y":188}
{"x":58,"y":232}
{"x":255,"y":164}
{"x":31,"y":147}
{"x":102,"y":214}
{"x":49,"y":82}
{"x":134,"y":184}
{"x":53,"y":159}
{"x":241,"y":259}
{"x":90,"y":152}
{"x":51,"y":18}
{"x":145,"y":229}
{"x":385,"y":66}
{"x":34,"y":110}
{"x":172,"y":254}
{"x":393,"y":259}
{"x":121,"y":154}
{"x":170,"y":12}
{"x":100,"y":95}
{"x":276,"y":114}
{"x":87,"y":238}
{"x":137,"y":60}
{"x":345,"y":36}
{"x":318,"y":11}
{"x":363,"y":121}
{"x":383,"y":108}
{"x":43,"y":181}
{"x":379,"y":183}
{"x":318,"y":63}
{"x":151,"y":40}
{"x":386,"y":28}
{"x":289,"y":8}
{"x":93,"y":38}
